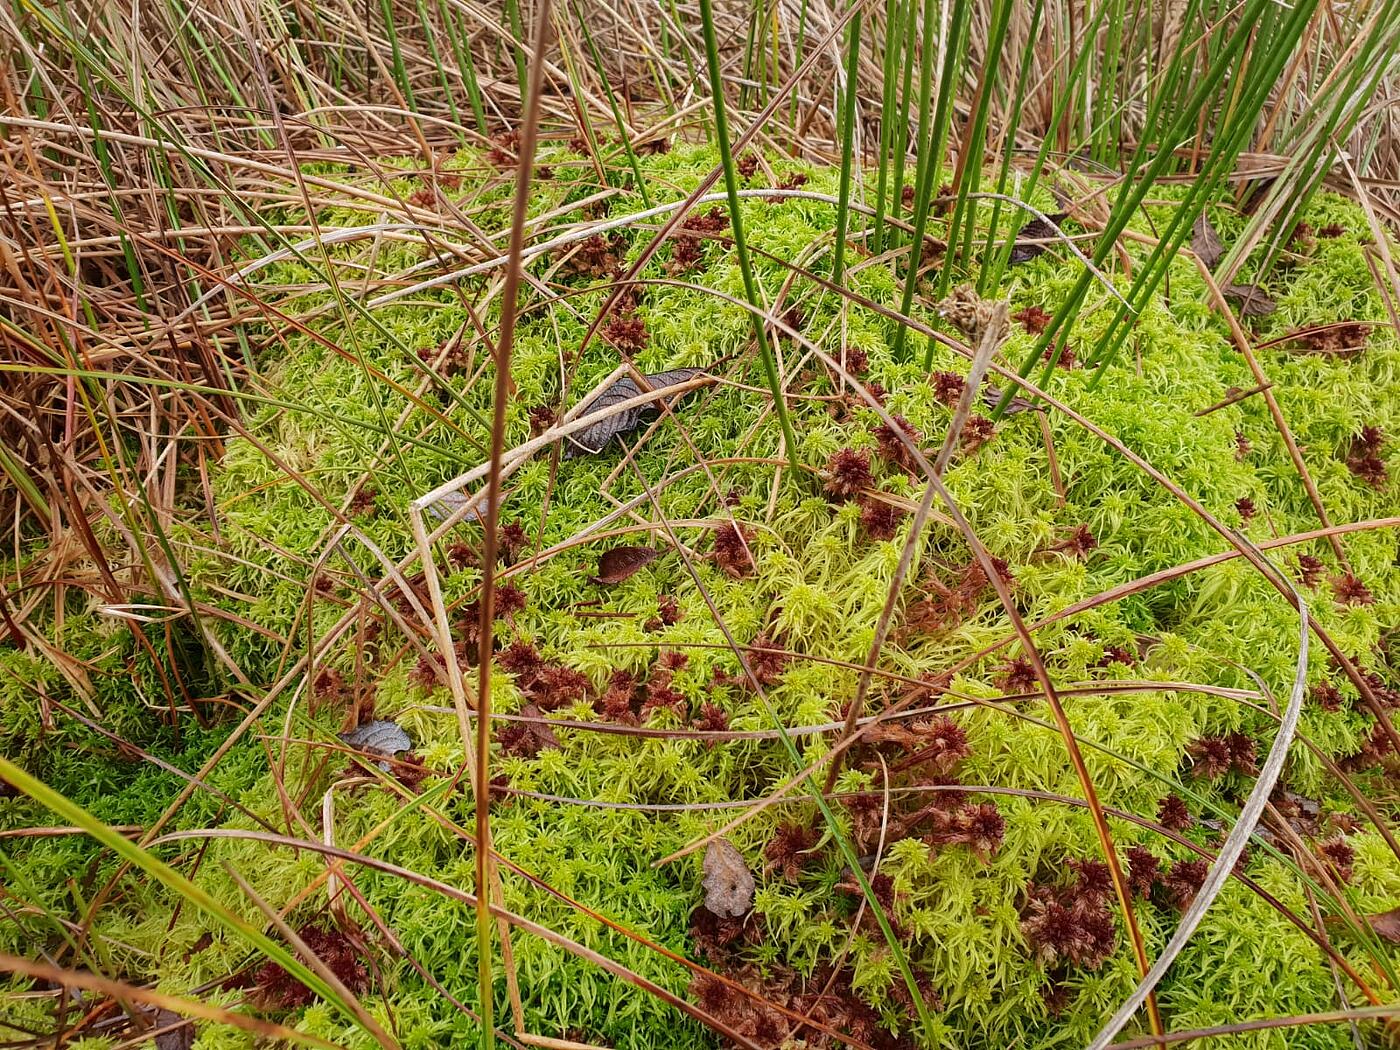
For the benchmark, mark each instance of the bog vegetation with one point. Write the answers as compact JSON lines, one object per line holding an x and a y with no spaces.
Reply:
{"x":663,"y":525}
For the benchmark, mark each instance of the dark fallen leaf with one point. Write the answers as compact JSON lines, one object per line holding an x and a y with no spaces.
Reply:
{"x":592,"y":440}
{"x":1036,"y":230}
{"x":991,"y":397}
{"x":1253,"y":300}
{"x":728,"y":883}
{"x":532,"y":734}
{"x":176,"y":1032}
{"x":1205,"y":242}
{"x":1080,"y":160}
{"x":1257,"y":195}
{"x":1386,"y":925}
{"x":180,"y":1037}
{"x":445,"y":507}
{"x":620,"y":563}
{"x":380,"y":737}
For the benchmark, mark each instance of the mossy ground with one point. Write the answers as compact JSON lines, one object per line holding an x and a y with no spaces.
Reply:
{"x":817,"y":587}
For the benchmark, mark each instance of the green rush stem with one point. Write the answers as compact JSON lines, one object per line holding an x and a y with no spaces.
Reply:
{"x":900,"y":139}
{"x":731,"y":183}
{"x":1136,"y":186}
{"x":926,"y":161}
{"x":517,"y":48}
{"x":892,"y":37}
{"x":1219,"y":162}
{"x":990,"y":277}
{"x":848,"y":127}
{"x":931,"y":161}
{"x":967,"y":180}
{"x":1057,"y":117}
{"x":617,"y":115}
{"x":461,"y":47}
{"x":438,"y":64}
{"x":797,"y":59}
{"x":396,"y":53}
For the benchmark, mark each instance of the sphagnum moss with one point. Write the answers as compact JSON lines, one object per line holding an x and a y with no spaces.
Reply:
{"x":982,"y":886}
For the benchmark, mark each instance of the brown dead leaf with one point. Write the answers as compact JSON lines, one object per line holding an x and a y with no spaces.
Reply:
{"x":991,"y":397}
{"x":175,"y":1032}
{"x":1205,"y":242}
{"x":728,"y":883}
{"x":622,"y":563}
{"x":180,"y":1037}
{"x":1253,"y":300}
{"x":1033,"y":239}
{"x":1386,"y":925}
{"x":529,"y":736}
{"x":381,"y":738}
{"x":592,"y":440}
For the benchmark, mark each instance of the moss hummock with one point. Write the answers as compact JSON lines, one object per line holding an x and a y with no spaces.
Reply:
{"x":591,"y":813}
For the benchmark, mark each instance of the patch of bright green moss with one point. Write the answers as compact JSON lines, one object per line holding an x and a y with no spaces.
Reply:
{"x":819,"y":584}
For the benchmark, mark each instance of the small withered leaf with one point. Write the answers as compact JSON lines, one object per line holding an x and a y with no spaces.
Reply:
{"x":592,"y":440}
{"x":534,"y":734}
{"x":176,"y":1033}
{"x":1253,"y":300}
{"x":621,"y":563}
{"x":1386,"y":925}
{"x":1205,"y":242}
{"x":380,"y":737}
{"x":728,"y":884}
{"x":448,"y":505}
{"x":991,"y":397}
{"x":1036,"y":230}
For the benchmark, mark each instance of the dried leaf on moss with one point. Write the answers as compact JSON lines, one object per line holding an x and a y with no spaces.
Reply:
{"x":1205,"y":242}
{"x":991,"y":397}
{"x":592,"y":440}
{"x":1253,"y":300}
{"x":622,"y":563}
{"x":447,"y":506}
{"x":1036,"y":230}
{"x":528,"y":738}
{"x":176,"y":1033}
{"x":728,"y":884}
{"x":1386,"y":925}
{"x":380,"y":737}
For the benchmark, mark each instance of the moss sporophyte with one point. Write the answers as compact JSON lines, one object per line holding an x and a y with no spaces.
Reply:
{"x":627,"y":726}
